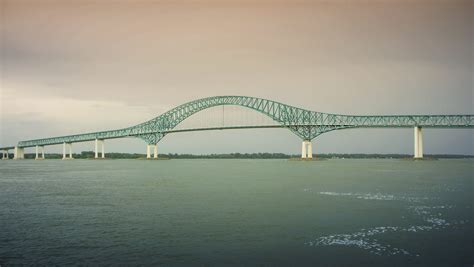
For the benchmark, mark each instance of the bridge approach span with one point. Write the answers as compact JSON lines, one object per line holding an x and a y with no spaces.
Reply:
{"x":306,"y":124}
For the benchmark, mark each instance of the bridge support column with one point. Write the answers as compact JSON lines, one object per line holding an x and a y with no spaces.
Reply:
{"x":309,"y":154}
{"x":5,"y":154}
{"x":19,"y":153}
{"x":306,"y":150}
{"x":303,"y":150}
{"x":38,"y":148}
{"x":67,"y":149}
{"x":155,"y":151}
{"x":102,"y":144}
{"x":103,"y":149}
{"x":418,"y":143}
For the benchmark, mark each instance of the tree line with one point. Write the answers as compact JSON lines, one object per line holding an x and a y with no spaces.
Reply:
{"x":114,"y":155}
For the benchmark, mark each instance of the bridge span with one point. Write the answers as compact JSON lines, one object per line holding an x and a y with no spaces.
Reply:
{"x":306,"y":124}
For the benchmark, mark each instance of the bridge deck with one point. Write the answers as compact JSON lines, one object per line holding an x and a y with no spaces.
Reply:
{"x":306,"y":124}
{"x":99,"y":135}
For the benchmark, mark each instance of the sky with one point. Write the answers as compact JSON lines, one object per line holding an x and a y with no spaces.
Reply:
{"x":75,"y":66}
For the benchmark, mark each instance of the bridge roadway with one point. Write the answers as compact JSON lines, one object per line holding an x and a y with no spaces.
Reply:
{"x":304,"y":123}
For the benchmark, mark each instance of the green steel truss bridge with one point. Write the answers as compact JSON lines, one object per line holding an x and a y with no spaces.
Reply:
{"x":306,"y":124}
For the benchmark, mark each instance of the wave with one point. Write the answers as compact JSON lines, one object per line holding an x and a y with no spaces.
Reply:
{"x":366,"y":238}
{"x":376,"y":196}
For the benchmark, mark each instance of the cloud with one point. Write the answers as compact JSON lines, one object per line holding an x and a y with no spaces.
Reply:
{"x":74,"y":66}
{"x":33,"y":115}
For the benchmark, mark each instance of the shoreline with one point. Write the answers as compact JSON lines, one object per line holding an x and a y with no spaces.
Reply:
{"x":320,"y":157}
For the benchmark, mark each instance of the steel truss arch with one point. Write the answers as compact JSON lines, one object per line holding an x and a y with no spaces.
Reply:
{"x":306,"y":124}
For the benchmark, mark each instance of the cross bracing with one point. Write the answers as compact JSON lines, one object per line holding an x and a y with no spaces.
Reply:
{"x":304,"y":123}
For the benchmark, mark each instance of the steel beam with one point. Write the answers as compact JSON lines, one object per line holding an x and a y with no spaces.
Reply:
{"x":304,"y":123}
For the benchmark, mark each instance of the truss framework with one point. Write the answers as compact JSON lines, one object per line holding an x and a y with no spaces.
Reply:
{"x":304,"y":123}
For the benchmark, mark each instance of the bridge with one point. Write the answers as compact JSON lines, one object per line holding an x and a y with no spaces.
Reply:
{"x":306,"y":124}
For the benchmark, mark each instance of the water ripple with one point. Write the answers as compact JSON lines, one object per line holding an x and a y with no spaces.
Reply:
{"x":365,"y":238}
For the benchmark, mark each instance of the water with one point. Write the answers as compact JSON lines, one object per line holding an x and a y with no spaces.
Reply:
{"x":236,"y":212}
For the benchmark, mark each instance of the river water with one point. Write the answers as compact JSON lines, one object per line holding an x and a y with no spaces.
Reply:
{"x":237,"y":212}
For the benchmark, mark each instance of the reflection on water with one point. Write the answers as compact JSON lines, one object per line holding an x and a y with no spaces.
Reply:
{"x":376,"y":196}
{"x":367,"y":238}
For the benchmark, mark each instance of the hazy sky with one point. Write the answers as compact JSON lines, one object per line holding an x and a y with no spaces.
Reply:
{"x":79,"y":66}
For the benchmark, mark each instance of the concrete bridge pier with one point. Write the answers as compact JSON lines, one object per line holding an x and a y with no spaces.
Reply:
{"x":38,"y":148}
{"x":5,"y":154}
{"x":19,"y":153}
{"x":418,"y":143}
{"x":102,"y":144}
{"x":67,"y":147}
{"x":306,"y":150}
{"x":155,"y":151}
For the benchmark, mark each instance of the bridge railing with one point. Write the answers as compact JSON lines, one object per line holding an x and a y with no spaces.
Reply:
{"x":329,"y":121}
{"x":75,"y":138}
{"x":431,"y":121}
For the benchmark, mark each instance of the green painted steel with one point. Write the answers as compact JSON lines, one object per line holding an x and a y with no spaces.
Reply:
{"x":304,"y":123}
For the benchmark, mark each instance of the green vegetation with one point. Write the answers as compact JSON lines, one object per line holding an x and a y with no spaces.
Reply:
{"x":90,"y":155}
